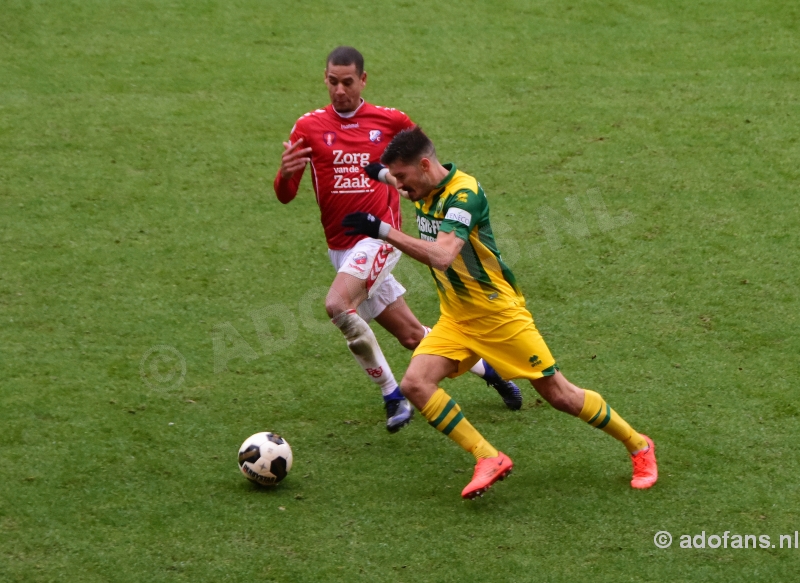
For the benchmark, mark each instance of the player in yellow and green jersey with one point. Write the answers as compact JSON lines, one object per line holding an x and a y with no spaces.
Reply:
{"x":482,"y":309}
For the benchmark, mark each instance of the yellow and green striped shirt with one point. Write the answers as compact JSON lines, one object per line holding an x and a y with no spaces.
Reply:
{"x":477,"y":282}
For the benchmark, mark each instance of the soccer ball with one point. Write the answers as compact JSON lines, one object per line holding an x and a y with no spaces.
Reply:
{"x":265,"y":458}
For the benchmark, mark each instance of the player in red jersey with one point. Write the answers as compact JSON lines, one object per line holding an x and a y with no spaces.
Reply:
{"x":339,"y":141}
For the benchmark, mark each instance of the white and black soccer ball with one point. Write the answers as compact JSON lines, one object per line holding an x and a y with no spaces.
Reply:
{"x":265,"y":458}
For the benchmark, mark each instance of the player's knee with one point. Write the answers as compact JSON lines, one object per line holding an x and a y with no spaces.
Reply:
{"x":409,"y":342}
{"x":411,"y":384}
{"x":334,"y":305}
{"x":411,"y":336}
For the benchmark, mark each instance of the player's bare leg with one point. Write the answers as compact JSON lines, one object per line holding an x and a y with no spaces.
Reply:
{"x":420,"y":385}
{"x":400,"y":322}
{"x":590,"y":407}
{"x":398,"y":319}
{"x":423,"y":376}
{"x":560,"y":393}
{"x":345,"y":295}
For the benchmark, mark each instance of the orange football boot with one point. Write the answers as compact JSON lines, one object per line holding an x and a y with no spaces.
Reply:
{"x":645,"y":468}
{"x":487,"y":472}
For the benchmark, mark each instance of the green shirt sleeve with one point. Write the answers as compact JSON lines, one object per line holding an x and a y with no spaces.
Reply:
{"x":462,"y":212}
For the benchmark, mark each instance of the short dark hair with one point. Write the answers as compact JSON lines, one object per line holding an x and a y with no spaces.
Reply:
{"x":409,"y":147}
{"x":343,"y":56}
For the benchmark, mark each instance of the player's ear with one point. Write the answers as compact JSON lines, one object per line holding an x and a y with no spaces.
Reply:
{"x":364,"y":78}
{"x":425,"y":164}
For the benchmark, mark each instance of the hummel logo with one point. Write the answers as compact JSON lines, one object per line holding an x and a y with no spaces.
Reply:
{"x":534,"y":360}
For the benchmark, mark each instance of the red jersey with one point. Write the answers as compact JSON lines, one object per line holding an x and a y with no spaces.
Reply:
{"x":340,"y":149}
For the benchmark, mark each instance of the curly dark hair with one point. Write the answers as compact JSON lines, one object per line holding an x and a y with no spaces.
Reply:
{"x":408,"y":147}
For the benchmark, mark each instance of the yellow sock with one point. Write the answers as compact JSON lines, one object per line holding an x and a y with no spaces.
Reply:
{"x":444,"y":414}
{"x":597,"y":413}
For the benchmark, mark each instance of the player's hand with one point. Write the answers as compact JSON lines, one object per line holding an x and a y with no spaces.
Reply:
{"x":294,"y":158}
{"x":365,"y":224}
{"x":378,"y":171}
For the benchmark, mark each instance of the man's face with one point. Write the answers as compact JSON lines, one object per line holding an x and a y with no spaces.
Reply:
{"x":344,"y":86}
{"x":413,"y":178}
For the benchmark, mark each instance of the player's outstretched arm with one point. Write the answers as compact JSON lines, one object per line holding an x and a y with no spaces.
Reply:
{"x":438,"y":254}
{"x":293,"y":161}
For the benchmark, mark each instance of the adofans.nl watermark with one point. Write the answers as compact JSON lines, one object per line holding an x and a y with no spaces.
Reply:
{"x":728,"y":540}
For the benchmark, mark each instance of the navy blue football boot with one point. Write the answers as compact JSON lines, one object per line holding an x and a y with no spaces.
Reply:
{"x":398,"y":414}
{"x":509,"y":392}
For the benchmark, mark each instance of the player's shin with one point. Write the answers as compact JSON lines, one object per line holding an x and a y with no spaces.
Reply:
{"x":365,"y":349}
{"x":445,"y":415}
{"x":597,"y":413}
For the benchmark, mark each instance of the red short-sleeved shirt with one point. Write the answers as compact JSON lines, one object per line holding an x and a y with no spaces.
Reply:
{"x":340,"y":149}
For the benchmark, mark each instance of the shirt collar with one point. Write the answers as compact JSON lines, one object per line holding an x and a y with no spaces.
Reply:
{"x":439,"y":188}
{"x":451,"y":170}
{"x":349,"y":114}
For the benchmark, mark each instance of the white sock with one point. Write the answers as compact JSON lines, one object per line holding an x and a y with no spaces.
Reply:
{"x":478,"y":369}
{"x":364,"y":347}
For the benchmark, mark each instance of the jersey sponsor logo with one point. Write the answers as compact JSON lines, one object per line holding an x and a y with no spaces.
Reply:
{"x":427,"y":226}
{"x":348,"y":176}
{"x":342,"y":157}
{"x":459,"y":215}
{"x":349,"y":126}
{"x":341,"y":182}
{"x":329,"y":138}
{"x":374,"y":135}
{"x":360,"y":258}
{"x":356,"y":267}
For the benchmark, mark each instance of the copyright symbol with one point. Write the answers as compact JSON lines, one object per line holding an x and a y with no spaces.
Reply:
{"x":162,"y":368}
{"x":662,"y":539}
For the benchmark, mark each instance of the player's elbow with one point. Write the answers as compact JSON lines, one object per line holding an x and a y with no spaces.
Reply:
{"x":441,"y":265}
{"x":441,"y":259}
{"x":443,"y":252}
{"x":284,"y":190}
{"x":284,"y":195}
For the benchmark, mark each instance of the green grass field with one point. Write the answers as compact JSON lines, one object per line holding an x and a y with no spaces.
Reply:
{"x":641,"y":160}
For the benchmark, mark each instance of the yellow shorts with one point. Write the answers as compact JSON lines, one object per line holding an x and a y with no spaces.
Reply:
{"x":507,"y":340}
